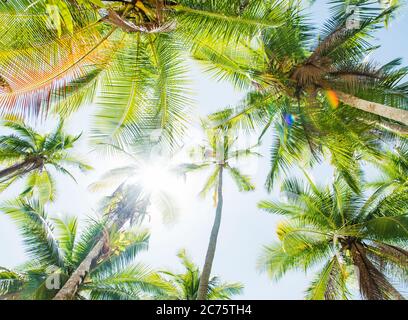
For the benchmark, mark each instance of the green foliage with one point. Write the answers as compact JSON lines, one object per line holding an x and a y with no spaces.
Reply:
{"x":28,"y":154}
{"x":36,"y":230}
{"x":146,"y":90}
{"x":139,"y":48}
{"x":55,"y":248}
{"x":184,"y":286}
{"x":293,"y":78}
{"x":131,"y":59}
{"x":393,"y":167}
{"x":340,"y":229}
{"x":219,"y":150}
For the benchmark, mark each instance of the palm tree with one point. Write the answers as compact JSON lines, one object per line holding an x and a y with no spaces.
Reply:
{"x":352,"y":235}
{"x":184,"y":286}
{"x":296,"y":67}
{"x":133,"y":50}
{"x":27,"y":153}
{"x":128,"y":204}
{"x":320,"y":96}
{"x":218,"y":153}
{"x":125,"y":205}
{"x":56,"y":249}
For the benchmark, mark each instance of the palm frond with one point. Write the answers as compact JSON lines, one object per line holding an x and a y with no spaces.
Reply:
{"x":67,"y":233}
{"x":37,"y":231}
{"x":243,"y":182}
{"x":330,"y":283}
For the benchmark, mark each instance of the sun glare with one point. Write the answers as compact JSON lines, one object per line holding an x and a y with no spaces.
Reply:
{"x":156,"y":177}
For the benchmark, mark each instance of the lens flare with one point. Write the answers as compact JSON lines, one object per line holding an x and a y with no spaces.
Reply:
{"x":332,"y":98}
{"x":289,"y":119}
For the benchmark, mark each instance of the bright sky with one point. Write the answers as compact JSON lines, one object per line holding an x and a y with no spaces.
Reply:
{"x":244,"y":229}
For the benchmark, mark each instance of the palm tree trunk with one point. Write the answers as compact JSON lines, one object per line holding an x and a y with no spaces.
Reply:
{"x":70,"y":288}
{"x":20,"y":169}
{"x":14,"y":168}
{"x":11,"y":296}
{"x":384,"y":111}
{"x":205,"y":276}
{"x":394,"y":127}
{"x":390,"y":126}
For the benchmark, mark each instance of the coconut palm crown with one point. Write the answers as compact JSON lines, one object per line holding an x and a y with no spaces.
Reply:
{"x":321,"y":95}
{"x":353,"y":238}
{"x":133,"y":51}
{"x":25,"y":153}
{"x":218,"y":154}
{"x":184,"y":286}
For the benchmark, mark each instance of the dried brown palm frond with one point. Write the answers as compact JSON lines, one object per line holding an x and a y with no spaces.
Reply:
{"x":335,"y":287}
{"x":373,"y":284}
{"x":128,"y":26}
{"x":390,"y":260}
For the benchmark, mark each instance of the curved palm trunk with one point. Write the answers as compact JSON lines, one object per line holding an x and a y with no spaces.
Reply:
{"x":205,"y":276}
{"x":127,"y":209}
{"x":401,"y":129}
{"x":25,"y":166}
{"x":70,"y":288}
{"x":10,"y":296}
{"x":384,"y":111}
{"x":20,"y":169}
